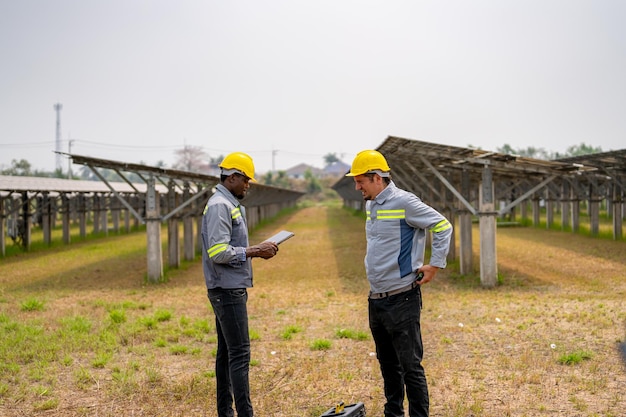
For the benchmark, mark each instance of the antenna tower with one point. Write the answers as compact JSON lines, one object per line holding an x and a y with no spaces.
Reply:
{"x":57,"y":108}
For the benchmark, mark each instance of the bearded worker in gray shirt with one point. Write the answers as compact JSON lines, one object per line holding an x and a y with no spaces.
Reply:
{"x":396,"y":225}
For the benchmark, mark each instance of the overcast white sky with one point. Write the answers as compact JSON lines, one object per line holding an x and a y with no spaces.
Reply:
{"x":297,"y":79}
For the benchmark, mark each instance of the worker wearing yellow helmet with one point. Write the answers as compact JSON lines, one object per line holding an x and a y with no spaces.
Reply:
{"x":228,"y":274}
{"x":238,"y":162}
{"x":369,"y":161}
{"x":236,"y":172}
{"x":395,"y":228}
{"x":366,"y":165}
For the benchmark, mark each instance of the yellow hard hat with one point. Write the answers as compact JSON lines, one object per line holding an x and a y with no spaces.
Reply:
{"x":367,"y":161}
{"x":238,"y":162}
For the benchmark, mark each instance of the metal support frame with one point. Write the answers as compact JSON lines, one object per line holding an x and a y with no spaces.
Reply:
{"x":117,"y":195}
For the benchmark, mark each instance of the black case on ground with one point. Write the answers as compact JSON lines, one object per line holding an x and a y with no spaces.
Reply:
{"x":352,"y":410}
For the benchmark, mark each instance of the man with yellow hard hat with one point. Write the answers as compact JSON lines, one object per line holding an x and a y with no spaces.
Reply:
{"x":396,"y":225}
{"x":227,"y":274}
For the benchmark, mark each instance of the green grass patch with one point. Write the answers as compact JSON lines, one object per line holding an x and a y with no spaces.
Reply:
{"x":575,"y":357}
{"x":101,"y":360}
{"x":254,"y":334}
{"x":351,"y":334}
{"x":179,"y":350}
{"x":47,"y":405}
{"x":289,"y":331}
{"x":162,"y":315}
{"x":117,"y":316}
{"x":32,"y":304}
{"x":321,"y":344}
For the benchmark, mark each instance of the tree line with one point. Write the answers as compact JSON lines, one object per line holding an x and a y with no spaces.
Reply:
{"x":195,"y":159}
{"x":541,"y":153}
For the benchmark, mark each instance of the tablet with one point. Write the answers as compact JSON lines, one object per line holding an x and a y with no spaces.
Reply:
{"x":280,"y":237}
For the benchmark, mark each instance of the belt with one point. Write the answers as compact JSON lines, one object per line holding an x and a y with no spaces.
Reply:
{"x":377,"y":295}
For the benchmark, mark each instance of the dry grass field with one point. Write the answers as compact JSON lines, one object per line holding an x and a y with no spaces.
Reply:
{"x":82,"y":334}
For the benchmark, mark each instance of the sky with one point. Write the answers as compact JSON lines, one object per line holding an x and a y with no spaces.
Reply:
{"x":290,"y":81}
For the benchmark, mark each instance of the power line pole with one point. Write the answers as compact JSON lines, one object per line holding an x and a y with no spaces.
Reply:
{"x":57,"y":108}
{"x":274,"y":160}
{"x":69,"y":160}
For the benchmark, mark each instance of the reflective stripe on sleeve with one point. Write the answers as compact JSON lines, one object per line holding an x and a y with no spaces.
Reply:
{"x":441,"y":226}
{"x":215,"y":249}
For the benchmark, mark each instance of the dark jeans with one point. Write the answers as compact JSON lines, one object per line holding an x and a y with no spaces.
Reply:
{"x":232,"y":362}
{"x":395,"y":325}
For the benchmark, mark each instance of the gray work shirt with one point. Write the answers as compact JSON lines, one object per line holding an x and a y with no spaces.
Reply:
{"x":224,"y":242}
{"x":396,"y":226}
